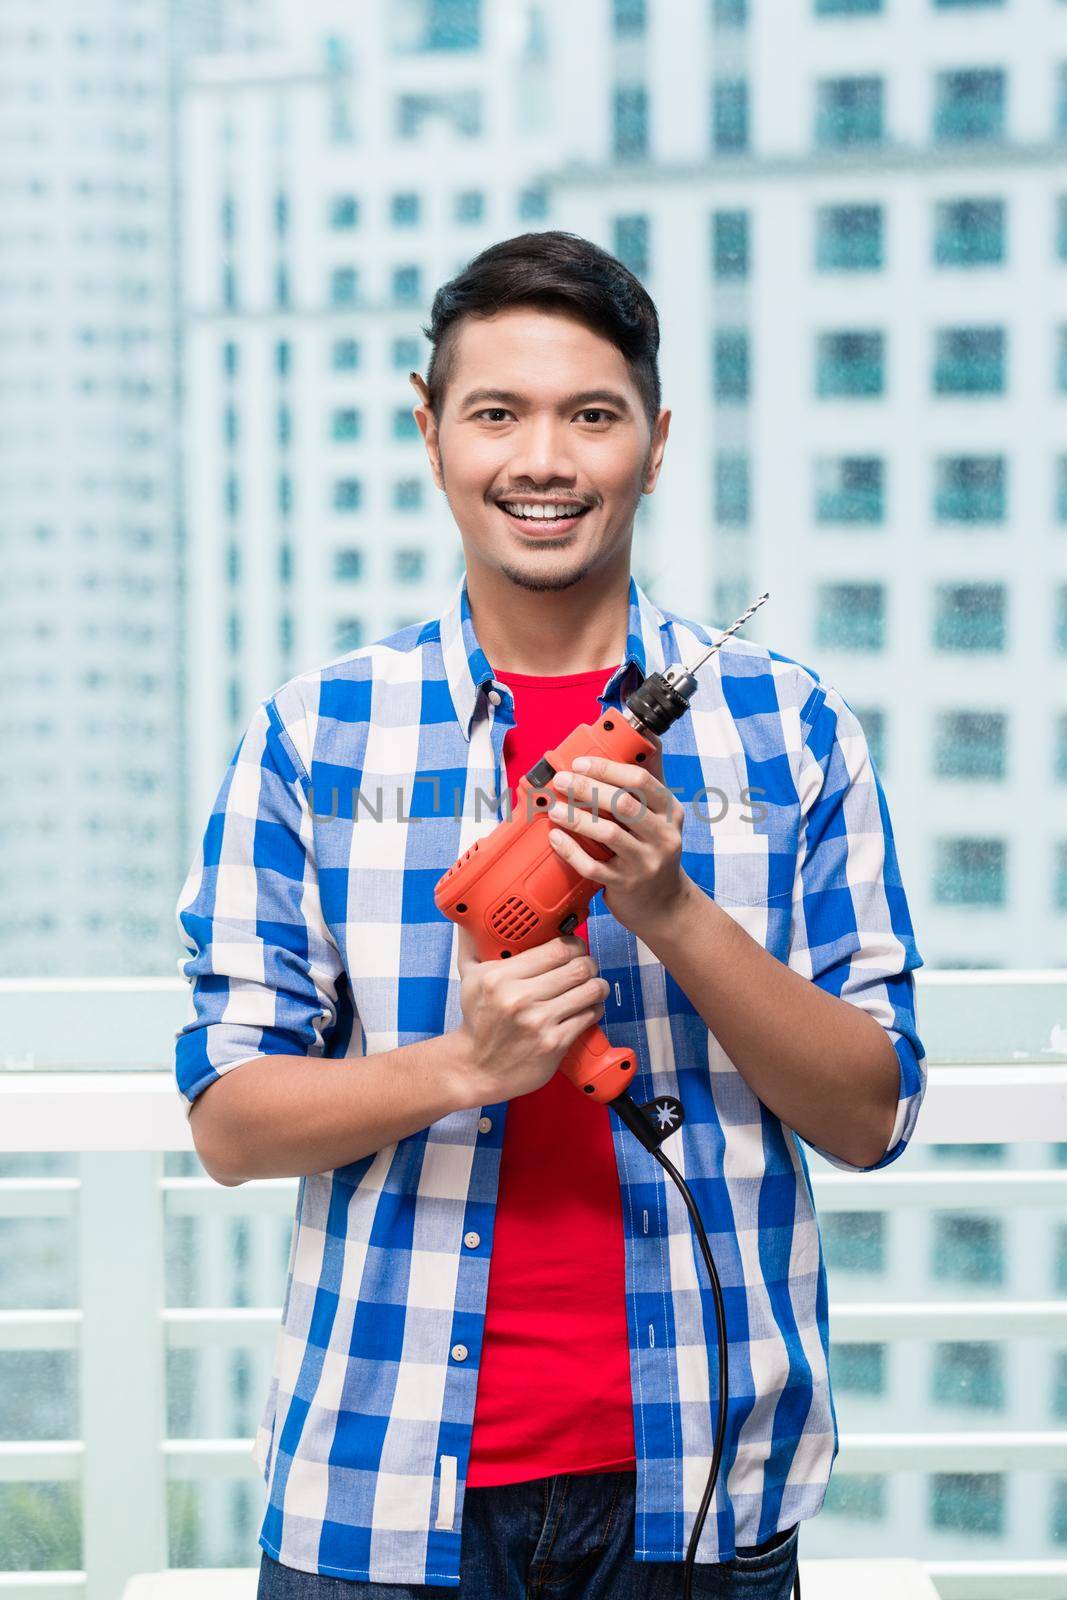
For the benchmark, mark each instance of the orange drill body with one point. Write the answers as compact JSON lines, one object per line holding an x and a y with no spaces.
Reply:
{"x":512,"y":891}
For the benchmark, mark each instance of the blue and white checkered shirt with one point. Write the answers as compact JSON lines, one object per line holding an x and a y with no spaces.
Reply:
{"x":309,"y":935}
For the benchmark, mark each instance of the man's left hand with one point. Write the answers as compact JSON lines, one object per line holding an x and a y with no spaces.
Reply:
{"x":627,"y":809}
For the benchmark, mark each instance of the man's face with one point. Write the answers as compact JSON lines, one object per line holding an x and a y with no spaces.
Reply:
{"x":540,"y":412}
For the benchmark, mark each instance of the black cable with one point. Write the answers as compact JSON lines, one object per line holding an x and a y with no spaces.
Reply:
{"x":636,"y":1120}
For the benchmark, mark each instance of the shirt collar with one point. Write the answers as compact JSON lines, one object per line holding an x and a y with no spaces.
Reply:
{"x":470,"y":675}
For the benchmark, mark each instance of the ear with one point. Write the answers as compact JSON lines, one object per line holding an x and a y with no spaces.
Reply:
{"x":656,"y":448}
{"x":427,"y":422}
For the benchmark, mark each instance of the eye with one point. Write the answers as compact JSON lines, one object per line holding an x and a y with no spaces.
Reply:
{"x":487,"y":410}
{"x":595,"y":411}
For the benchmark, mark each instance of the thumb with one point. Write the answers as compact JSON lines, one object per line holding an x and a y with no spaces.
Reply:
{"x":464,"y":948}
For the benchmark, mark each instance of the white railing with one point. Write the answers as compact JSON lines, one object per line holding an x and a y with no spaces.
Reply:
{"x":122,"y":1327}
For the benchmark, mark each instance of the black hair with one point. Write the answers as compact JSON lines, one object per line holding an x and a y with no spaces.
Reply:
{"x":556,"y":271}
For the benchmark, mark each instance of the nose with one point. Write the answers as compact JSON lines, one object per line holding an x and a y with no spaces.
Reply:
{"x":542,"y":452}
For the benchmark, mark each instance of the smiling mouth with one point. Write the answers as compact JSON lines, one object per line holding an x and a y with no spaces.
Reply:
{"x":542,"y":524}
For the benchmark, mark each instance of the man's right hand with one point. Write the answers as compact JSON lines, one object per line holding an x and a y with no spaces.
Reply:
{"x":521,"y":1016}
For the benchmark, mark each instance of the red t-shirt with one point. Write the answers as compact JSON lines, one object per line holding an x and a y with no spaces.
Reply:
{"x":554,"y":1382}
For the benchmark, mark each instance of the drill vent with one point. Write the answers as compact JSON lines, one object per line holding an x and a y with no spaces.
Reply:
{"x":513,"y":918}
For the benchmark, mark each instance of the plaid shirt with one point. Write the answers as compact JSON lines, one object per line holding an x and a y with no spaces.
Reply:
{"x":311,"y":933}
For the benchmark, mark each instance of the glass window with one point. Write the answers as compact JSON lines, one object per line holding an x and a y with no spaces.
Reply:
{"x":968,"y":1249}
{"x":850,"y":616}
{"x":426,"y":25}
{"x":850,"y":489}
{"x":407,"y":284}
{"x":873,"y":722}
{"x":854,"y":1241}
{"x":281,"y":214}
{"x":630,"y":109}
{"x":730,"y":244}
{"x":1059,"y":748}
{"x":631,"y":243}
{"x":1059,"y":509}
{"x":1059,"y":876}
{"x":970,"y":1502}
{"x":406,"y":354}
{"x":346,"y":423}
{"x":729,"y":116}
{"x":417,"y":114}
{"x":858,"y":1368}
{"x":729,"y":13}
{"x":230,"y":427}
{"x":628,"y":17}
{"x":969,"y":233}
{"x":848,"y":238}
{"x":1061,"y":227}
{"x":344,"y":211}
{"x":470,"y":206}
{"x":404,"y":424}
{"x":533,"y":204}
{"x":405,"y":210}
{"x":969,"y":105}
{"x":407,"y":494}
{"x":409,"y":565}
{"x":345,"y":355}
{"x":348,"y":564}
{"x":1061,"y":360}
{"x":851,"y":363}
{"x":283,"y":358}
{"x":229,"y":359}
{"x":967,"y":872}
{"x":731,"y":364}
{"x":971,"y":744}
{"x":1060,"y":619}
{"x":849,"y":111}
{"x":348,"y":633}
{"x":970,"y":616}
{"x":860,"y":1496}
{"x":285,"y":494}
{"x":732,"y":489}
{"x":971,"y":489}
{"x":970,"y":361}
{"x":344,"y":286}
{"x":849,"y":8}
{"x":347,"y":494}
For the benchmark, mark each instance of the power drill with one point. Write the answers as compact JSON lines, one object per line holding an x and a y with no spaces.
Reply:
{"x":512,"y":892}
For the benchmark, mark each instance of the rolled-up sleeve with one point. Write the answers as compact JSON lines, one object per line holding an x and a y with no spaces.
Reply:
{"x":852,"y":932}
{"x":263,"y":967}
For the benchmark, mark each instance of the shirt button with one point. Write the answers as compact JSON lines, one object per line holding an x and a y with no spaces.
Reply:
{"x":494,"y":697}
{"x":459,"y":1352}
{"x":472,"y":1239}
{"x":484,"y":1124}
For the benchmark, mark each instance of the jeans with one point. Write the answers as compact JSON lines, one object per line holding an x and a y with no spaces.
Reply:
{"x":569,"y":1537}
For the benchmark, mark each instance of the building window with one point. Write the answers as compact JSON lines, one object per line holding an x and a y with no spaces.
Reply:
{"x":969,"y":105}
{"x":470,"y":207}
{"x":631,"y":243}
{"x":1059,"y":756}
{"x":348,"y":564}
{"x":850,"y":489}
{"x":345,"y":355}
{"x":406,"y":354}
{"x":1059,"y":509}
{"x":970,"y":361}
{"x":850,"y":616}
{"x":533,"y":204}
{"x":230,"y":427}
{"x":229,"y":359}
{"x":407,"y":494}
{"x":461,"y":109}
{"x":970,"y":744}
{"x":630,"y":141}
{"x":848,"y":238}
{"x":1061,"y":227}
{"x":858,"y":1368}
{"x":1061,"y":360}
{"x":404,"y":425}
{"x":969,"y":1502}
{"x":970,"y":616}
{"x":348,"y":634}
{"x":732,"y":489}
{"x":730,"y":244}
{"x":873,"y":723}
{"x":232,"y":494}
{"x":849,"y":364}
{"x":281,"y":287}
{"x":407,"y":285}
{"x":1060,"y":620}
{"x":860,"y":1497}
{"x":729,"y":116}
{"x":854,"y":1241}
{"x":285,"y":561}
{"x":283,"y":358}
{"x":285,"y":494}
{"x":409,"y":566}
{"x":971,"y":489}
{"x":344,"y":286}
{"x":1059,"y":877}
{"x":849,"y":112}
{"x":346,"y":423}
{"x":729,"y":13}
{"x":344,"y":212}
{"x":347,"y":494}
{"x":731,"y":364}
{"x":969,"y":233}
{"x":847,"y":8}
{"x":968,"y":872}
{"x":405,"y":210}
{"x":968,"y":1375}
{"x":628,"y":18}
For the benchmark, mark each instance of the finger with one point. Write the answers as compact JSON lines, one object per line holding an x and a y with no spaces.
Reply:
{"x":610,"y":834}
{"x":572,"y":852}
{"x":627,"y":776}
{"x":621,"y":804}
{"x":548,"y":956}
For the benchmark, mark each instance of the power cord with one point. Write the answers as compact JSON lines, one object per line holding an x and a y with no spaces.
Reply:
{"x":652,"y":1123}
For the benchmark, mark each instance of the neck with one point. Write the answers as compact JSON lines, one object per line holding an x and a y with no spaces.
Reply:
{"x":550,"y":632}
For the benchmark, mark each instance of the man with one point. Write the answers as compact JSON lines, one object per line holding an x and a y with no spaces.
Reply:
{"x":497,"y":1367}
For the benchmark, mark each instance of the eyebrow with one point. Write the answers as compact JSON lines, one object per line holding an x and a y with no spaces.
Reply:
{"x":585,"y":397}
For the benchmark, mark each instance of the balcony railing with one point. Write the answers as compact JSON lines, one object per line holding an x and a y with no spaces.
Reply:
{"x":85,"y":1068}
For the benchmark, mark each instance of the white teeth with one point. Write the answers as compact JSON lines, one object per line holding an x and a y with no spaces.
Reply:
{"x":541,"y":513}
